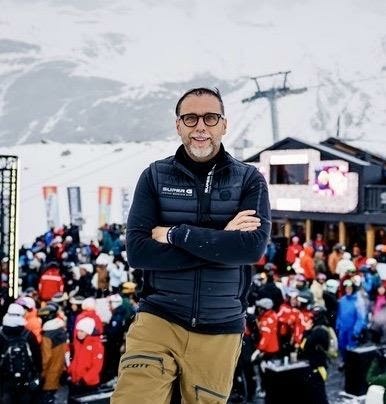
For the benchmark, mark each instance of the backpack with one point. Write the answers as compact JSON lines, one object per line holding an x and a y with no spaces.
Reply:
{"x":16,"y":362}
{"x":332,"y":351}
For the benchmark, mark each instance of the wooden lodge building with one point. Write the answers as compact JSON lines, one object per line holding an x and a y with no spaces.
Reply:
{"x":330,"y":188}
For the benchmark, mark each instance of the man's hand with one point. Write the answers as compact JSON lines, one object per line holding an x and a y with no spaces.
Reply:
{"x":159,"y":234}
{"x":244,"y":221}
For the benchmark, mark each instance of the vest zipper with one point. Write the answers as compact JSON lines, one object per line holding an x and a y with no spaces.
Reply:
{"x":197,"y":278}
{"x":200,"y":194}
{"x":152,"y":358}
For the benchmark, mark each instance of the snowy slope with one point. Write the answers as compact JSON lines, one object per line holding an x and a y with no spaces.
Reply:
{"x":88,"y":166}
{"x":80,"y":73}
{"x":94,"y":71}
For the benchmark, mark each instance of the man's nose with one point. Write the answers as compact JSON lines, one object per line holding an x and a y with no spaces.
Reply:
{"x":201,"y":124}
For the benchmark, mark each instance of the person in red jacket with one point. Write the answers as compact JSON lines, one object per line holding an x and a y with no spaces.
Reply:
{"x":50,"y":282}
{"x":89,"y":311}
{"x":357,"y":257}
{"x":307,"y":262}
{"x":268,"y":344}
{"x":305,"y":318}
{"x":268,"y":328}
{"x":290,"y":332}
{"x":293,"y":250}
{"x":86,"y":365}
{"x":33,"y":321}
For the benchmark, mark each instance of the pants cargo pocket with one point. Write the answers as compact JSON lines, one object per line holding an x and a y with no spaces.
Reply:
{"x":208,"y":396}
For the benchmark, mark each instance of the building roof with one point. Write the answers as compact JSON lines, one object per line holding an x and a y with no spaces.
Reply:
{"x":323,"y":148}
{"x":362,"y":153}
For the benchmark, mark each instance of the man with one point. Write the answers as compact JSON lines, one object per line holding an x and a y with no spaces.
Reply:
{"x":196,"y":220}
{"x":317,"y":289}
{"x":334,"y":257}
{"x":53,"y":349}
{"x":351,"y":318}
{"x":307,"y":262}
{"x":114,"y":332}
{"x":316,"y":347}
{"x":293,"y":250}
{"x":371,"y":278}
{"x":268,"y":345}
{"x":20,"y":364}
{"x":267,"y":289}
{"x":50,"y":282}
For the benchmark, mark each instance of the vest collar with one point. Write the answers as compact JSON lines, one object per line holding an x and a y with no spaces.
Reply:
{"x":179,"y":161}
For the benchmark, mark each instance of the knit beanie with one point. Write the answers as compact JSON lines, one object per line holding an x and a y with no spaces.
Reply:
{"x":115,"y":300}
{"x":265,"y":303}
{"x":86,"y":325}
{"x":89,"y":303}
{"x":26,"y":302}
{"x":14,"y":316}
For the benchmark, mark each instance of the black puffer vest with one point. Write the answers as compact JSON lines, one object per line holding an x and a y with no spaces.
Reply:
{"x":210,"y":299}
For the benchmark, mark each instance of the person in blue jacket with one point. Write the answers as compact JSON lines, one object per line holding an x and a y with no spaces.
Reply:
{"x":197,"y":221}
{"x":351,"y":318}
{"x":371,"y":279}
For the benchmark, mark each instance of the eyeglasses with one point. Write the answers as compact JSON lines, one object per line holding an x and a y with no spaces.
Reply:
{"x":210,"y":119}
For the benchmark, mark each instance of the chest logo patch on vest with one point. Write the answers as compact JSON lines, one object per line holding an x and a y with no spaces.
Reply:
{"x":225,"y":195}
{"x":182,"y":192}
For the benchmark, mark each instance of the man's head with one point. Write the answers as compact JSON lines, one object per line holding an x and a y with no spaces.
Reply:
{"x":348,"y":286}
{"x":201,"y":123}
{"x":295,"y":240}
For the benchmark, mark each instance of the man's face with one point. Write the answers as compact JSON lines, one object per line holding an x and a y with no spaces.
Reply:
{"x":201,"y":142}
{"x":349,"y":290}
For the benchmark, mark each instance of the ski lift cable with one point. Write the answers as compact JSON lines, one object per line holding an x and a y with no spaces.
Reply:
{"x":61,"y":173}
{"x":96,"y":170}
{"x":371,"y":78}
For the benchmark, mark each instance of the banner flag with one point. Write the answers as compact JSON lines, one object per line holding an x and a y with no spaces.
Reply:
{"x":104,"y":200}
{"x":75,"y":205}
{"x":50,"y":194}
{"x":125,"y":204}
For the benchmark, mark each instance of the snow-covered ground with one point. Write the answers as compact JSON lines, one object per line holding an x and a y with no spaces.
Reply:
{"x":92,"y":71}
{"x":79,"y":74}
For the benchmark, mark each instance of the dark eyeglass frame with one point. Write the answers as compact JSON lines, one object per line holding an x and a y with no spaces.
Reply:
{"x":219,"y":116}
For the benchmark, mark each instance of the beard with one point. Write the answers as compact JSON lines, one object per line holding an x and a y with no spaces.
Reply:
{"x":200,"y":153}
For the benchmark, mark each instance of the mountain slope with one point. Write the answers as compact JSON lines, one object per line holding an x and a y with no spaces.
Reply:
{"x":93,"y":71}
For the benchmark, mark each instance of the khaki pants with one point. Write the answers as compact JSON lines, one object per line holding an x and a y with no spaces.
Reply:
{"x":158,"y":351}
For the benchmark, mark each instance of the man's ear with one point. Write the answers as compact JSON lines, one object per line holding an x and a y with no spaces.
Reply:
{"x":178,"y":126}
{"x":225,"y":123}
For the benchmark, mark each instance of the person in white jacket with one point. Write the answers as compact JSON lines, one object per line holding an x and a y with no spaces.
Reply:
{"x":117,"y":275}
{"x":317,"y":288}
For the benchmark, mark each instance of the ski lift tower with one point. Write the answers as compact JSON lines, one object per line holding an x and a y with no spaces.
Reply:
{"x":9,"y":253}
{"x":272,"y":95}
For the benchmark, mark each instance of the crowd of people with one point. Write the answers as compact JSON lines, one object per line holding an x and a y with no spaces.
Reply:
{"x":323,"y":303}
{"x":77,"y":300}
